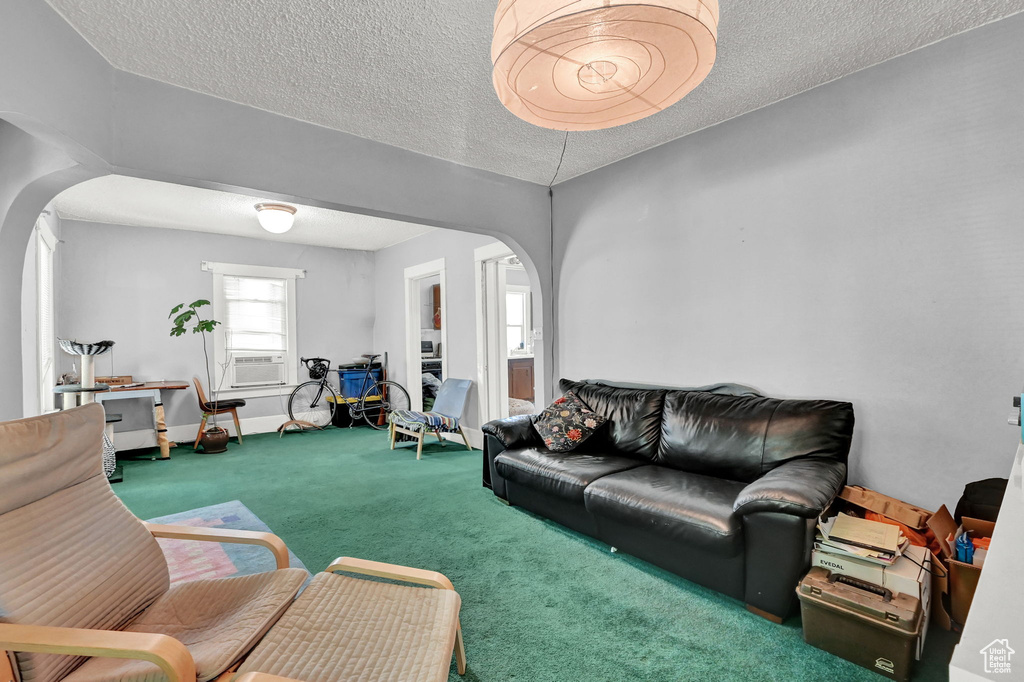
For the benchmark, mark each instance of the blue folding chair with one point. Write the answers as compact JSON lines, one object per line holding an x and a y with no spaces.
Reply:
{"x":443,"y":418}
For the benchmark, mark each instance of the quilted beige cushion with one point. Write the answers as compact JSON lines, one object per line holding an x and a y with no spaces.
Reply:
{"x":71,"y":554}
{"x":218,"y":620}
{"x":357,"y":630}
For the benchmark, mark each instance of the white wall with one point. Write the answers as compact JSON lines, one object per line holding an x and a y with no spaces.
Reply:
{"x":120,"y":282}
{"x":862,"y":241}
{"x":459,"y":304}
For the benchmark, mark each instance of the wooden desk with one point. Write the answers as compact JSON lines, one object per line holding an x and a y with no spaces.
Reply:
{"x":151,"y":390}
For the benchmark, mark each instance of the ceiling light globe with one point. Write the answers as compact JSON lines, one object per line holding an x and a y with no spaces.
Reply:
{"x":275,"y":218}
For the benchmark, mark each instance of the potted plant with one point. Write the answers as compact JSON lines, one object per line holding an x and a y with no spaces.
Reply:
{"x":214,"y":439}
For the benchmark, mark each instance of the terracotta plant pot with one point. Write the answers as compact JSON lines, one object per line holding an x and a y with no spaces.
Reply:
{"x":214,"y":440}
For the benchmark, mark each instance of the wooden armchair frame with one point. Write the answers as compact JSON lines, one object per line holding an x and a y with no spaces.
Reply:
{"x":169,"y":654}
{"x":406,"y":574}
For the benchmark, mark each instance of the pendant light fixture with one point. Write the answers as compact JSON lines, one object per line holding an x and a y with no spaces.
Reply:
{"x":593,"y":64}
{"x":276,"y":218}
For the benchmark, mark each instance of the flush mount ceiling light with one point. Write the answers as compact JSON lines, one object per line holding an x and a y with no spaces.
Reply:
{"x":276,"y":218}
{"x":592,"y":64}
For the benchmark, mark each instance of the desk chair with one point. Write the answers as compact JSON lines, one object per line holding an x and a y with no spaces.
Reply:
{"x":208,"y":410}
{"x":443,"y":418}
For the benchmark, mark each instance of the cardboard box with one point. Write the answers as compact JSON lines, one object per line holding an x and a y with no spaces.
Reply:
{"x":897,"y":510}
{"x":910,"y":575}
{"x":963,"y":578}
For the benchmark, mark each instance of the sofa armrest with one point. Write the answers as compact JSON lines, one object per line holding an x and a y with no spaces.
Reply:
{"x":515,"y":432}
{"x":801,"y":487}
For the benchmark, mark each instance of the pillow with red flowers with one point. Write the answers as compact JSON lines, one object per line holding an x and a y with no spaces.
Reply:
{"x":566,"y":423}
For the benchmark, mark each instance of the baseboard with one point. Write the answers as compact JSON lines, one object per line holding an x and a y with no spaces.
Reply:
{"x":186,"y":433}
{"x":475,"y":436}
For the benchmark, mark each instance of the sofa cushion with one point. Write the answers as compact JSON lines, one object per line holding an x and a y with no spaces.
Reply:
{"x":567,"y":423}
{"x":691,"y":509}
{"x":634,"y":418}
{"x":562,"y":474}
{"x":716,"y":435}
{"x":743,"y":437}
{"x":808,"y":428}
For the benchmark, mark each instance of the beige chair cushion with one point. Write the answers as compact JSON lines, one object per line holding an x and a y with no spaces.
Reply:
{"x":357,"y":630}
{"x":218,"y":620}
{"x":71,"y":554}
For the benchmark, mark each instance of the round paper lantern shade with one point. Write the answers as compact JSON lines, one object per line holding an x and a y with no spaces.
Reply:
{"x":592,"y":64}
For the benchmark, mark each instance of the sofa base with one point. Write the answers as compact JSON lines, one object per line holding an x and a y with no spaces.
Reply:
{"x":764,"y":614}
{"x":722,"y":574}
{"x":778,"y":555}
{"x":569,"y":514}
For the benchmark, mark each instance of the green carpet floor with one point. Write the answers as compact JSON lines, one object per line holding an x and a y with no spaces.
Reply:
{"x":539,"y":602}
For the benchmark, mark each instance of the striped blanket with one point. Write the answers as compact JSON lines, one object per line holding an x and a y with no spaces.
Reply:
{"x":416,"y":420}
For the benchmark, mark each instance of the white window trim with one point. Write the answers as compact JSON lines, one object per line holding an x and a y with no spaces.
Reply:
{"x":527,"y":320}
{"x":46,"y":246}
{"x":219,"y":352}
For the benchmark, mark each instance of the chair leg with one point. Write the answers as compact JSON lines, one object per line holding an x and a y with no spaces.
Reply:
{"x":466,"y":440}
{"x":202,"y":425}
{"x":439,"y":438}
{"x":419,"y":446}
{"x":238,"y":427}
{"x":393,"y":435}
{"x":460,"y":650}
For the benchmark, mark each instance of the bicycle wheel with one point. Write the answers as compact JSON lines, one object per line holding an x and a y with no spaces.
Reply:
{"x":313,"y":402}
{"x":376,"y":411}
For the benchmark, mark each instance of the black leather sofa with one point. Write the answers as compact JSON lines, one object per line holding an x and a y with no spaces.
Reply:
{"x":723,"y":490}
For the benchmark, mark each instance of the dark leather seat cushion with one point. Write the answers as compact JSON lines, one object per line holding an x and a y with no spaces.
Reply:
{"x":562,"y":474}
{"x":225,"y":404}
{"x":691,"y":509}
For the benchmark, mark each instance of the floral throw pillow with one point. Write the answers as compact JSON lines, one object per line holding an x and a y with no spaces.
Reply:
{"x":566,"y":423}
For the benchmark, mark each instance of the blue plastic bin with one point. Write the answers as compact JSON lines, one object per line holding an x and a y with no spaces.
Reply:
{"x":353,"y":382}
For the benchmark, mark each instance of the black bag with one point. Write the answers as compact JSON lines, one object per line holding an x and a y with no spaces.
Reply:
{"x":981,"y":500}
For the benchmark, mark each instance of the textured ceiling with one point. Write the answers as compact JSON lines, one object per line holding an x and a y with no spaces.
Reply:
{"x":416,"y":74}
{"x":131,"y":201}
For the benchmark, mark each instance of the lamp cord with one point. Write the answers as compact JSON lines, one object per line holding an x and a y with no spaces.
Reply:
{"x":565,"y":141}
{"x":551,"y":218}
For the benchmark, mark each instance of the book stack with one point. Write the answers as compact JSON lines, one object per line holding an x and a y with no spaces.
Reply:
{"x":871,"y":541}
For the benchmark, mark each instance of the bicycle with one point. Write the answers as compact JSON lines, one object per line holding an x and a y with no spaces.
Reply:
{"x":315,"y":401}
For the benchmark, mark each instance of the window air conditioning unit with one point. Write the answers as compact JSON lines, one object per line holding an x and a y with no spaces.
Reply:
{"x":252,"y":369}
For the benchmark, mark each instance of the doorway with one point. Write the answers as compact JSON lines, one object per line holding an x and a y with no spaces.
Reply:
{"x":426,"y":331}
{"x":506,"y":335}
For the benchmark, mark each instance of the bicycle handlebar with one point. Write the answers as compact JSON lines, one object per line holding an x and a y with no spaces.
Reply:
{"x":306,"y":361}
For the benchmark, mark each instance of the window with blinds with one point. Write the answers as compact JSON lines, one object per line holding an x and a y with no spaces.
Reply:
{"x":255,"y":314}
{"x":255,"y":344}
